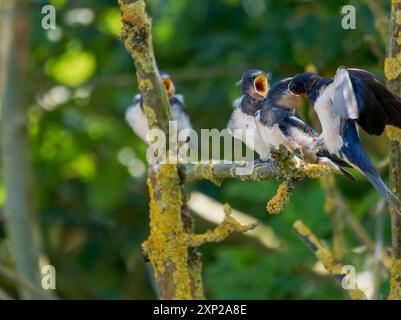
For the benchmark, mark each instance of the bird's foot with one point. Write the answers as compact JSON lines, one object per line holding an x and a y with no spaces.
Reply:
{"x":317,"y":144}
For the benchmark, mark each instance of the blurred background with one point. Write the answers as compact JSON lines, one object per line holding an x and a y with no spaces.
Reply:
{"x":89,"y":168}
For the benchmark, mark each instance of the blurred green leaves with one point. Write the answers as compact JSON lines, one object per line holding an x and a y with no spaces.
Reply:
{"x":73,"y":68}
{"x":111,"y":21}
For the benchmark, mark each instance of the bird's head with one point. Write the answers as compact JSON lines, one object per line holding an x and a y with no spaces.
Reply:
{"x":300,"y":83}
{"x":281,"y":95}
{"x":254,"y":83}
{"x":168,"y":84}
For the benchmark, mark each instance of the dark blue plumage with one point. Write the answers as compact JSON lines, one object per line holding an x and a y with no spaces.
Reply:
{"x":353,"y":95}
{"x":278,"y":112}
{"x":356,"y":155}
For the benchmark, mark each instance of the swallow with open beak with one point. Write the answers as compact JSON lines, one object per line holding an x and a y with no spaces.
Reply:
{"x":352,"y":96}
{"x":137,"y":120}
{"x":278,"y":125}
{"x":254,"y":86}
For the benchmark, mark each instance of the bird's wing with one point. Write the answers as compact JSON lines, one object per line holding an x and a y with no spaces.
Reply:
{"x":371,"y":104}
{"x":180,"y":98}
{"x":179,"y":114}
{"x":305,"y":136}
{"x":294,"y":122}
{"x":237,"y":102}
{"x":357,"y":156}
{"x":344,"y":99}
{"x":137,"y":119}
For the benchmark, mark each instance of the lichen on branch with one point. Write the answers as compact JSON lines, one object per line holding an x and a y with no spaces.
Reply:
{"x":177,"y":265}
{"x":222,"y":231}
{"x":136,"y":34}
{"x":280,"y":199}
{"x":324,"y":255}
{"x":395,"y":283}
{"x":394,"y":85}
{"x":284,"y":166}
{"x":393,"y":133}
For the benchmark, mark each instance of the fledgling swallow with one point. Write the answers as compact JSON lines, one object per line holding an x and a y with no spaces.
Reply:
{"x":137,"y":120}
{"x":254,"y":86}
{"x":353,"y":95}
{"x":278,"y":125}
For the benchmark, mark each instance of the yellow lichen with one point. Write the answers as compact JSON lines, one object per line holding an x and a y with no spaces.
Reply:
{"x":392,"y":67}
{"x":196,"y":275}
{"x":398,"y":39}
{"x":137,"y":33}
{"x":394,"y":2}
{"x":327,"y":259}
{"x":314,"y":171}
{"x":208,"y":174}
{"x":145,"y":85}
{"x":328,"y":184}
{"x":168,"y":243}
{"x":395,"y":282}
{"x":398,"y":18}
{"x":356,"y":294}
{"x":393,"y":133}
{"x":278,"y":202}
{"x":150,"y":116}
{"x":222,"y":231}
{"x":329,"y":205}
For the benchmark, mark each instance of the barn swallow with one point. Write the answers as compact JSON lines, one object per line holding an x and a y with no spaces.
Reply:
{"x":352,"y":96}
{"x":254,"y":86}
{"x":278,"y":125}
{"x":137,"y":120}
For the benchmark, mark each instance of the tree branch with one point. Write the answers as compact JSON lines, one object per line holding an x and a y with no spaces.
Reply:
{"x":337,"y":209}
{"x":176,"y":263}
{"x":380,"y":18}
{"x":20,"y":222}
{"x":137,"y":36}
{"x":324,"y":255}
{"x":223,"y":230}
{"x":287,"y":167}
{"x":333,"y":209}
{"x":392,"y":71}
{"x":21,"y":283}
{"x":212,"y":211}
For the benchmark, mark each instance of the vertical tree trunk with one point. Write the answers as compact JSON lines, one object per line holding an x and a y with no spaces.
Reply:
{"x":393,"y":72}
{"x":15,"y":144}
{"x":175,"y":262}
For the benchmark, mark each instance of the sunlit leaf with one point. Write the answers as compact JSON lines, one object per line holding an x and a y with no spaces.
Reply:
{"x":72,"y":68}
{"x":111,"y":21}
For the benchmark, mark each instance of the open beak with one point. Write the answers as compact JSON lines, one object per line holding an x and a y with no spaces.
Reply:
{"x":169,"y":86}
{"x":261,"y":85}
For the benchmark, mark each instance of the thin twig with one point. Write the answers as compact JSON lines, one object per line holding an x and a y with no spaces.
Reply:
{"x":380,"y":18}
{"x":21,"y":283}
{"x":335,"y":268}
{"x":4,"y":295}
{"x":223,"y":230}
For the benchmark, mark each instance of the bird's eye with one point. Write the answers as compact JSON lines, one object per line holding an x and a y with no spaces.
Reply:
{"x":296,"y":87}
{"x":261,"y":85}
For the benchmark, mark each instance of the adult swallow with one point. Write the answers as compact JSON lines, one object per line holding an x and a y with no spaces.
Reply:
{"x":254,"y":86}
{"x":137,"y":120}
{"x":278,"y":125}
{"x":352,"y":96}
